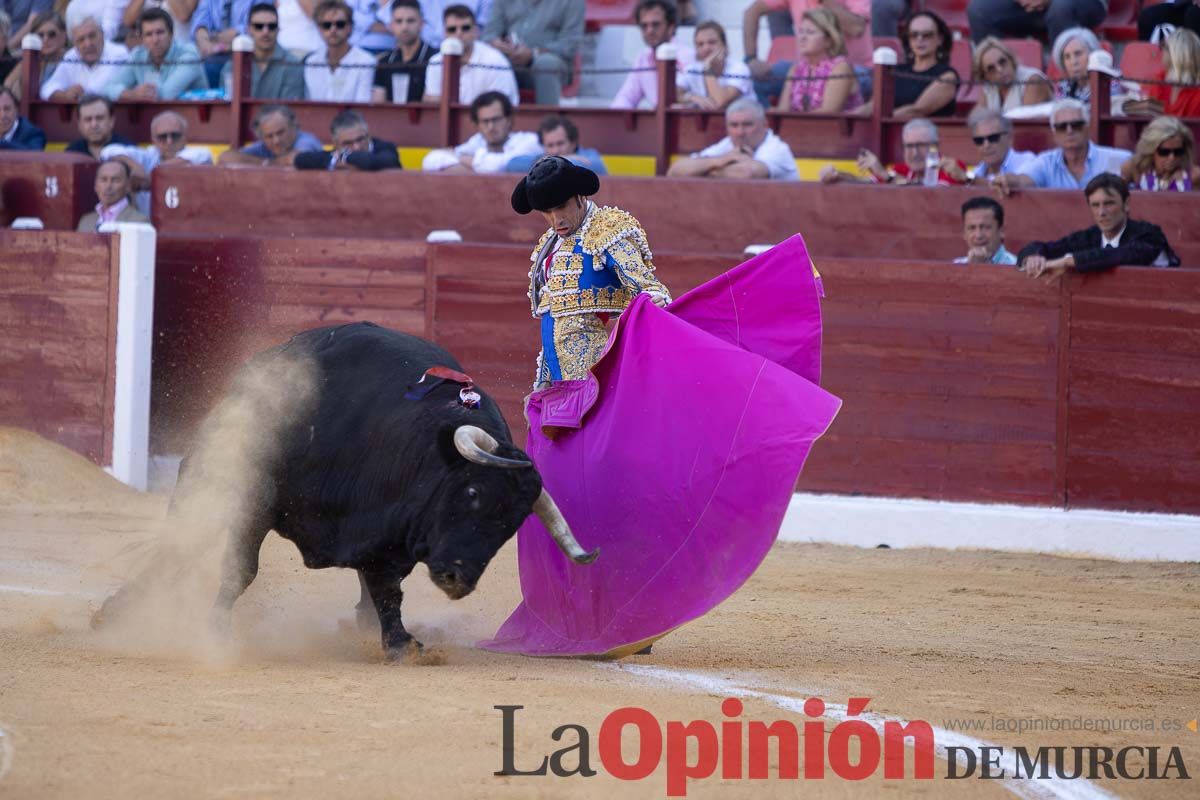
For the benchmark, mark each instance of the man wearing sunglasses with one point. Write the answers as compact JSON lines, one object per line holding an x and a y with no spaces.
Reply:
{"x":484,"y":68}
{"x":275,"y":74}
{"x":1115,"y":240}
{"x":991,"y":132}
{"x":1073,"y":163}
{"x":341,"y":74}
{"x":168,"y":131}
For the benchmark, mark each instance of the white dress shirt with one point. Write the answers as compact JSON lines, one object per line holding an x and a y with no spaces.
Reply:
{"x":773,"y":152}
{"x":71,"y":71}
{"x":487,"y":70}
{"x":351,"y":82}
{"x":519,"y":143}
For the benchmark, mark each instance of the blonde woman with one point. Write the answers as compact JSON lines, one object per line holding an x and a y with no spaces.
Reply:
{"x":822,"y":79}
{"x":1006,"y":83}
{"x":1181,"y":64}
{"x":1165,"y":158}
{"x":53,"y":31}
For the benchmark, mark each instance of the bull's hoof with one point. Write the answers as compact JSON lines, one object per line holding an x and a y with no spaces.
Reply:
{"x":408,"y":651}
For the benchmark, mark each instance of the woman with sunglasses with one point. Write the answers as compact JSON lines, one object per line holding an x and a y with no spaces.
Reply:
{"x":926,"y":84}
{"x":1165,"y":158}
{"x":53,"y":31}
{"x":1006,"y":83}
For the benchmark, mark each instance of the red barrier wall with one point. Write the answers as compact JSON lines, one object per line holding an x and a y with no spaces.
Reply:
{"x":58,"y":336}
{"x":681,"y":215}
{"x":959,"y":384}
{"x":58,"y":188}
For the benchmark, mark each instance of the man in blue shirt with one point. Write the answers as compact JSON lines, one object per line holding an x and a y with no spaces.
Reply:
{"x":983,"y":229}
{"x":559,"y":137}
{"x":161,"y":68}
{"x":1073,"y":163}
{"x":279,"y":140}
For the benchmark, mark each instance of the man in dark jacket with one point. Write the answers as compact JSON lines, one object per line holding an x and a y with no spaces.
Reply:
{"x":1114,"y":240}
{"x":353,"y":148}
{"x":16,"y":132}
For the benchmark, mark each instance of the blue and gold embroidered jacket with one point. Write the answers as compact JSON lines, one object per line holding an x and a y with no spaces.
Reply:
{"x":599,"y":269}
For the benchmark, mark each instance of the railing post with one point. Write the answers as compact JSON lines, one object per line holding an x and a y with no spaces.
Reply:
{"x":1100,"y":84}
{"x":240,"y":88}
{"x":665,"y":133}
{"x":31,"y":71}
{"x":452,"y":50}
{"x":884,"y":91}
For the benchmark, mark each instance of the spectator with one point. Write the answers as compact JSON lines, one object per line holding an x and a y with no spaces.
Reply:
{"x":214,"y":26}
{"x":275,"y":74}
{"x":1073,"y":163}
{"x":113,"y":184}
{"x":1155,"y":21}
{"x":540,"y":39}
{"x":492,"y":147}
{"x":51,"y":29}
{"x":822,"y":79}
{"x":88,"y":67}
{"x":1017,"y":19}
{"x":749,"y":150}
{"x":713,"y":81}
{"x":298,"y":34}
{"x":8,"y":62}
{"x":926,"y":84}
{"x":372,"y":31}
{"x":21,"y":16}
{"x":160,"y":68}
{"x":919,"y":138}
{"x":96,"y":127}
{"x":854,"y":21}
{"x":1181,"y":64}
{"x":353,"y":148}
{"x":342,"y":73}
{"x":279,"y":140}
{"x":559,"y":136}
{"x":1072,"y":49}
{"x":992,"y":134}
{"x":400,"y":76}
{"x":433,"y":12}
{"x":656,"y":20}
{"x":983,"y":230}
{"x":484,"y":68}
{"x":168,"y":132}
{"x":16,"y":132}
{"x":1007,"y":84}
{"x":1114,"y":240}
{"x":122,"y":23}
{"x":1165,"y":158}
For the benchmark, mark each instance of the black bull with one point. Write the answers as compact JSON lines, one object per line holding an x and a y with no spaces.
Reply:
{"x":362,"y":477}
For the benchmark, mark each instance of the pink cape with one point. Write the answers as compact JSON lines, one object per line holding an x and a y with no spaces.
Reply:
{"x":677,"y":458}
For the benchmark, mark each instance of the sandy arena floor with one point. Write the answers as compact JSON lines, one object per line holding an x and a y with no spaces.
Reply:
{"x":303,"y":706}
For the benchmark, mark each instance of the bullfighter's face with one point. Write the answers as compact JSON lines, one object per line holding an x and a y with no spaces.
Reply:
{"x":480,"y":508}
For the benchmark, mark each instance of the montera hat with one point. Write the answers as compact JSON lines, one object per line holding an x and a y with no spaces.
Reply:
{"x":552,"y":181}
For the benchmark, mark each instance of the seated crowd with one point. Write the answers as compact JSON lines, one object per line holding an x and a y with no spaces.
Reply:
{"x":355,"y":51}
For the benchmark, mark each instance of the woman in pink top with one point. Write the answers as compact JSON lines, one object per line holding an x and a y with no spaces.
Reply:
{"x":821,"y":80}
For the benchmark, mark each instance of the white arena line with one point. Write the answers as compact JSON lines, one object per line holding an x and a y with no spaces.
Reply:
{"x":1025,"y":788}
{"x":871,"y":521}
{"x":47,"y":592}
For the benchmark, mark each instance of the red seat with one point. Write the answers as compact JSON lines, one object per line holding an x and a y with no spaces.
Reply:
{"x":960,"y":59}
{"x":1121,"y":23}
{"x":954,"y":12}
{"x":783,"y":48}
{"x":572,"y":88}
{"x":1028,"y":52}
{"x":598,"y":13}
{"x":1141,"y":61}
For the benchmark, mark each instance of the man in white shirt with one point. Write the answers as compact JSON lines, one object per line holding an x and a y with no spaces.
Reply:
{"x":87,"y":67}
{"x":484,"y":68}
{"x":168,"y":131}
{"x":342,"y":73}
{"x":492,"y":147}
{"x":750,"y":150}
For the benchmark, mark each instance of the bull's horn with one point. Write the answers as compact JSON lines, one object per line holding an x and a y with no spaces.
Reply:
{"x":554,"y":521}
{"x":477,"y":445}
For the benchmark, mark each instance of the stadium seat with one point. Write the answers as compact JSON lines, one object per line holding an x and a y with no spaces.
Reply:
{"x":783,"y":48}
{"x":1029,"y":52}
{"x":960,"y":59}
{"x":954,"y":12}
{"x":608,"y":12}
{"x":1141,"y":61}
{"x":1121,"y":23}
{"x":889,"y":41}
